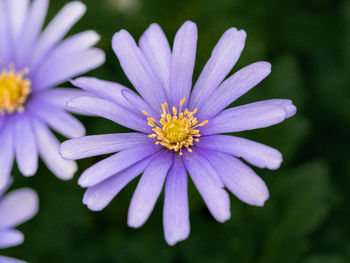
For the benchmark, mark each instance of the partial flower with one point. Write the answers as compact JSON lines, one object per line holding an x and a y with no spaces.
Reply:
{"x":31,"y":64}
{"x":178,"y":129}
{"x":16,"y":208}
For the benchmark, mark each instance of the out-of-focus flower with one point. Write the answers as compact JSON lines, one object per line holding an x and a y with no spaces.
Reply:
{"x":16,"y":208}
{"x":31,"y":64}
{"x":178,"y":128}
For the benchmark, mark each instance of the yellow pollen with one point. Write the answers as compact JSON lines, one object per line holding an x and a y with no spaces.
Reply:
{"x":175,"y":129}
{"x":14,"y":90}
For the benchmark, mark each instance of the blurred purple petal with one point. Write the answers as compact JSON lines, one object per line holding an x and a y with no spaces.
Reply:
{"x":10,"y":238}
{"x":6,"y":154}
{"x":10,"y":260}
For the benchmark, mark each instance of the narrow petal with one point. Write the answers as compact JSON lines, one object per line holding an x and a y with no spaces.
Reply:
{"x":100,"y":195}
{"x":240,"y":179}
{"x":63,"y":69}
{"x":10,"y":260}
{"x":255,"y":153}
{"x":48,"y":146}
{"x":182,"y":63}
{"x":7,"y":185}
{"x":247,"y":117}
{"x":116,"y":163}
{"x":176,"y":219}
{"x":110,"y":111}
{"x":25,"y":145}
{"x":56,"y":30}
{"x":10,"y":238}
{"x":94,"y":145}
{"x":149,"y":189}
{"x":17,"y":13}
{"x":29,"y":33}
{"x":216,"y":198}
{"x":137,"y":69}
{"x":138,"y":103}
{"x":233,"y":88}
{"x":155,"y":47}
{"x":59,"y":120}
{"x":18,"y":207}
{"x":224,"y":56}
{"x":5,"y":41}
{"x":6,"y":154}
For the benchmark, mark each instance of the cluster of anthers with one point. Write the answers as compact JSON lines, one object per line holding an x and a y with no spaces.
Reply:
{"x":14,"y":90}
{"x":175,"y":129}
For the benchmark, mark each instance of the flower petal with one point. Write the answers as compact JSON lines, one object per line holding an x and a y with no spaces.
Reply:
{"x":17,"y":13}
{"x":247,"y":117}
{"x":25,"y":145}
{"x":68,"y":67}
{"x":10,"y":260}
{"x":94,"y":145}
{"x":240,"y":179}
{"x":182,"y":63}
{"x":110,"y":111}
{"x":97,"y":197}
{"x":137,"y":69}
{"x":176,"y":219}
{"x":138,"y":103}
{"x":255,"y":153}
{"x":116,"y":163}
{"x":10,"y":238}
{"x":155,"y":47}
{"x":56,"y":30}
{"x":6,"y":154}
{"x":224,"y":56}
{"x":5,"y":43}
{"x":48,"y":147}
{"x":59,"y":120}
{"x":149,"y":189}
{"x":216,"y":198}
{"x":233,"y":88}
{"x":18,"y":207}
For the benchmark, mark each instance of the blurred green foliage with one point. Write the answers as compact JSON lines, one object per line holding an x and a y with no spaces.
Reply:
{"x":307,"y":217}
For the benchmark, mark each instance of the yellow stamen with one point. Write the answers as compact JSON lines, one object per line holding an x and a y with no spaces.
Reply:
{"x":177,"y":130}
{"x":14,"y":90}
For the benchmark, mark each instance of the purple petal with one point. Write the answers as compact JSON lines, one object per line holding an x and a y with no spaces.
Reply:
{"x":216,"y":198}
{"x":110,"y":111}
{"x":115,"y":164}
{"x":182,"y":63}
{"x":48,"y":147}
{"x":25,"y":145}
{"x":240,"y":179}
{"x":149,"y":189}
{"x":255,"y":153}
{"x":10,"y":238}
{"x":224,"y":56}
{"x":247,"y":117}
{"x":18,"y":207}
{"x":155,"y":47}
{"x":100,"y":195}
{"x":176,"y":219}
{"x":6,"y":154}
{"x":105,"y":90}
{"x":17,"y":13}
{"x":10,"y":260}
{"x":137,"y":69}
{"x":93,"y":145}
{"x":30,"y":32}
{"x":233,"y":88}
{"x":65,"y":68}
{"x":5,"y":43}
{"x":59,"y":120}
{"x":138,"y":103}
{"x":7,"y":185}
{"x":56,"y":30}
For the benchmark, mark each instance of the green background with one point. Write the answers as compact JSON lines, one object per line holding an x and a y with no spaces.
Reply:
{"x":306,"y":219}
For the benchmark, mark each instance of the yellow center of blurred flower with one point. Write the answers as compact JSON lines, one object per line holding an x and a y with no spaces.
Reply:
{"x":14,"y":90}
{"x":175,"y":129}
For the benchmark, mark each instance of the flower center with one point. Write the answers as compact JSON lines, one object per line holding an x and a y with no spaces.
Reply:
{"x":175,"y":129}
{"x":14,"y":90}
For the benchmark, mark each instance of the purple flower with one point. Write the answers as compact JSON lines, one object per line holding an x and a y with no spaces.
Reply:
{"x":177,"y":129}
{"x":16,"y":207}
{"x":31,"y":63}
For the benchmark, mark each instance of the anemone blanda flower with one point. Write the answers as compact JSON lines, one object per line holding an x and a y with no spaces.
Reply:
{"x":31,"y":64}
{"x":16,"y":208}
{"x":178,"y":128}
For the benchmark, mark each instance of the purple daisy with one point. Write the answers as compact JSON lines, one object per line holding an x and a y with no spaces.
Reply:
{"x":178,"y":129}
{"x":16,"y":208}
{"x":31,"y":64}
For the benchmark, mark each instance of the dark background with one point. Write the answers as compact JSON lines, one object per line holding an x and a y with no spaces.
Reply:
{"x":307,"y":217}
